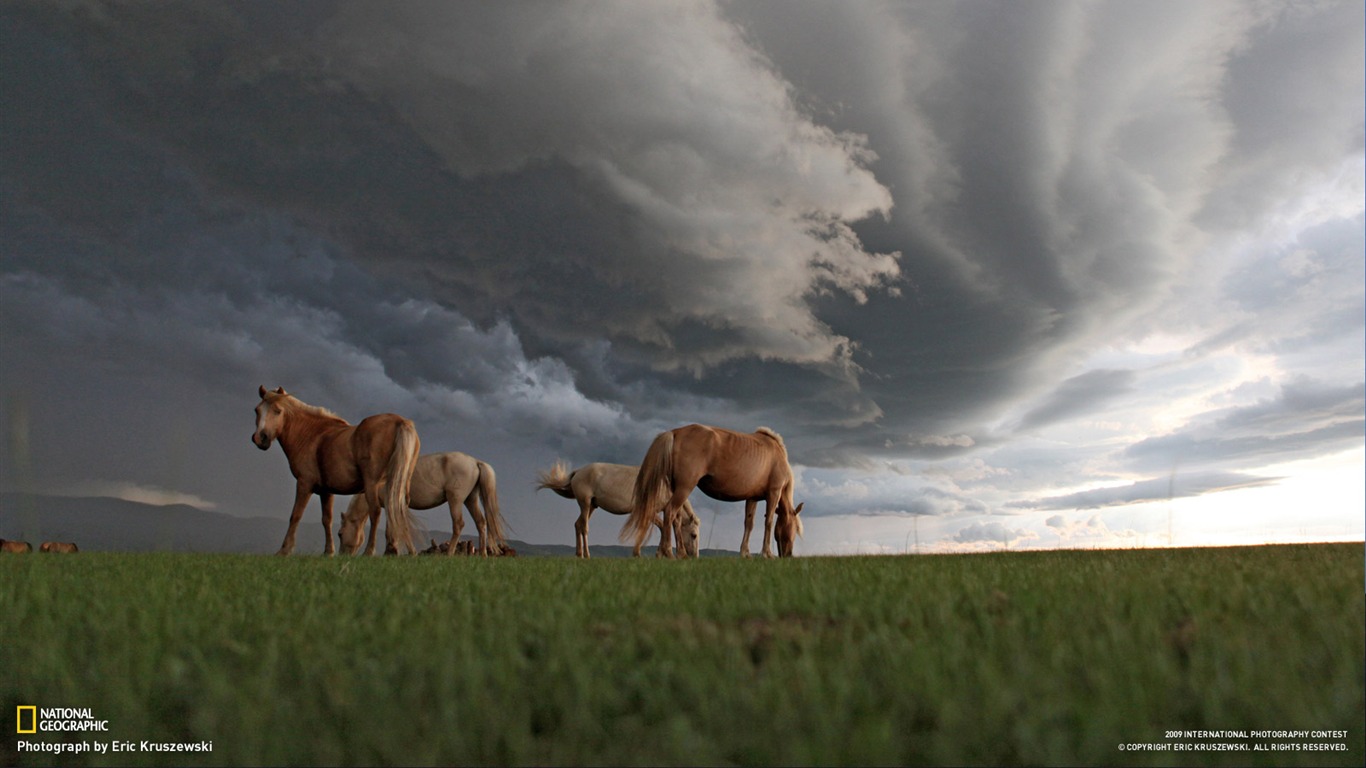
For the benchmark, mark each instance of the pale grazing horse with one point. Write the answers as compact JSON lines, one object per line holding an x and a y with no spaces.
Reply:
{"x":9,"y":545}
{"x":66,"y":547}
{"x":725,"y":465}
{"x":609,"y":487}
{"x":452,"y":478}
{"x":327,"y":456}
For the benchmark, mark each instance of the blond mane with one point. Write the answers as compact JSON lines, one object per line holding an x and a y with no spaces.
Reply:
{"x":312,"y":410}
{"x":770,"y":433}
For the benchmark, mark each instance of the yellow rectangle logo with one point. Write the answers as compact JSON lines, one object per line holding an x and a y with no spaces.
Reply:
{"x":32,"y":719}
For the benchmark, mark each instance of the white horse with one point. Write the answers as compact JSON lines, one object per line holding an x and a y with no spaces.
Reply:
{"x":608,"y":486}
{"x":450,"y":477}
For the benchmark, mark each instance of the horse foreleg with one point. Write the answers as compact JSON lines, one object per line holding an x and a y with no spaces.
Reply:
{"x":770,"y":506}
{"x":326,"y":499}
{"x":301,"y":494}
{"x":749,"y":526}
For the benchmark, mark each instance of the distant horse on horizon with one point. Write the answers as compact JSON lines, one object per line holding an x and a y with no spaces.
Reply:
{"x":608,"y":487}
{"x":725,"y":465}
{"x":9,"y":545}
{"x":452,"y":477}
{"x":327,"y":456}
{"x":65,"y":547}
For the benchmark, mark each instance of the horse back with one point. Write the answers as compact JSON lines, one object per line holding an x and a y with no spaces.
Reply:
{"x":730,"y":465}
{"x":609,"y":485}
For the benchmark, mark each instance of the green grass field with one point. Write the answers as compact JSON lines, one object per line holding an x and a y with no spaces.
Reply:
{"x":1050,"y":658}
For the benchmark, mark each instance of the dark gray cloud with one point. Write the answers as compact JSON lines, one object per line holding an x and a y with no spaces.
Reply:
{"x":1078,"y":395}
{"x":1307,"y":419}
{"x":904,"y":235}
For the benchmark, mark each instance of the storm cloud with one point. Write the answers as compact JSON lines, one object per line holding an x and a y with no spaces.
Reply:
{"x":965,"y":257}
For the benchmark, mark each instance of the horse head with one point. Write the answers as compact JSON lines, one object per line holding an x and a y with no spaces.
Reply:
{"x":786,"y":530}
{"x":270,"y":417}
{"x":689,"y":536}
{"x":348,"y":538}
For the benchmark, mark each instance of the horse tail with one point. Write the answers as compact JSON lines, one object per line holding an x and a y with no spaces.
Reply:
{"x":556,"y":479}
{"x":400,"y":476}
{"x":654,"y":485}
{"x":488,"y":498}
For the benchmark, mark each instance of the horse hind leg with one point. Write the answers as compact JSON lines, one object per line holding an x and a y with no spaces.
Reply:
{"x":581,"y":530}
{"x":326,"y":499}
{"x":374,"y":530}
{"x":376,"y":501}
{"x":749,"y":526}
{"x":480,"y":524}
{"x":671,"y":512}
{"x":457,"y":525}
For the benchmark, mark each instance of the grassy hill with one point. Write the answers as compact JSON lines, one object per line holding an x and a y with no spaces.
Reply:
{"x":1031,"y":658}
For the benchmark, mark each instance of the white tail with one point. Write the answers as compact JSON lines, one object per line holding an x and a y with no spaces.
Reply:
{"x":488,"y":498}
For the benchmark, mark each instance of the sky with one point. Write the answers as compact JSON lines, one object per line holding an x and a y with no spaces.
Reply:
{"x":1003,"y":275}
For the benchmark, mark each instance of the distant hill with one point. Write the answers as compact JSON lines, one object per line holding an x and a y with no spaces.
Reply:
{"x":101,"y":524}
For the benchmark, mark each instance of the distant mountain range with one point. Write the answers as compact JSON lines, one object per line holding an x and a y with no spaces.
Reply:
{"x":101,"y":524}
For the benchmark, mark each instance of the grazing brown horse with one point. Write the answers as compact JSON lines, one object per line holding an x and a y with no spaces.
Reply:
{"x":59,"y":546}
{"x":451,"y":478}
{"x":15,"y":546}
{"x":608,"y":486}
{"x":725,"y":465}
{"x":329,"y":456}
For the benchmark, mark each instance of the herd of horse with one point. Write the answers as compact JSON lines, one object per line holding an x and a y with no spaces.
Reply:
{"x":378,"y":462}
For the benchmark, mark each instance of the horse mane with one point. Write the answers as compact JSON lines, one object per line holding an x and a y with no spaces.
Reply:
{"x":313,"y":410}
{"x":770,"y":433}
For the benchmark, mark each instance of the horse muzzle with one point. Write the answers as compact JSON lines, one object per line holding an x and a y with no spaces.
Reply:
{"x":260,"y":441}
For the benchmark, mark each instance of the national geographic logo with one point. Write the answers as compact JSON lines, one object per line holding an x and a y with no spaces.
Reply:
{"x":31,"y":719}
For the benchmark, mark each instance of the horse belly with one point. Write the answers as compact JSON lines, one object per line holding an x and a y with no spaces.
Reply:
{"x":338,"y":470}
{"x":728,"y":492}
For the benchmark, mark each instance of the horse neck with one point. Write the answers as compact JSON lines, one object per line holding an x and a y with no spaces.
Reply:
{"x":303,"y":425}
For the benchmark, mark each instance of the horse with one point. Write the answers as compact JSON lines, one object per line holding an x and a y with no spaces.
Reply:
{"x":450,"y":477}
{"x":67,"y":547}
{"x":725,"y":465}
{"x":7,"y":545}
{"x":608,"y":487}
{"x":327,"y":456}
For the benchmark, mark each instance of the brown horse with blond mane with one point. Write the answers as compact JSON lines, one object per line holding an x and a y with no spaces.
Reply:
{"x":60,"y":547}
{"x":327,"y":455}
{"x":725,"y":465}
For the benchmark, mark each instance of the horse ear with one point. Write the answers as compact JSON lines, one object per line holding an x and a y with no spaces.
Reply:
{"x":798,"y":510}
{"x":280,"y":391}
{"x":262,"y":391}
